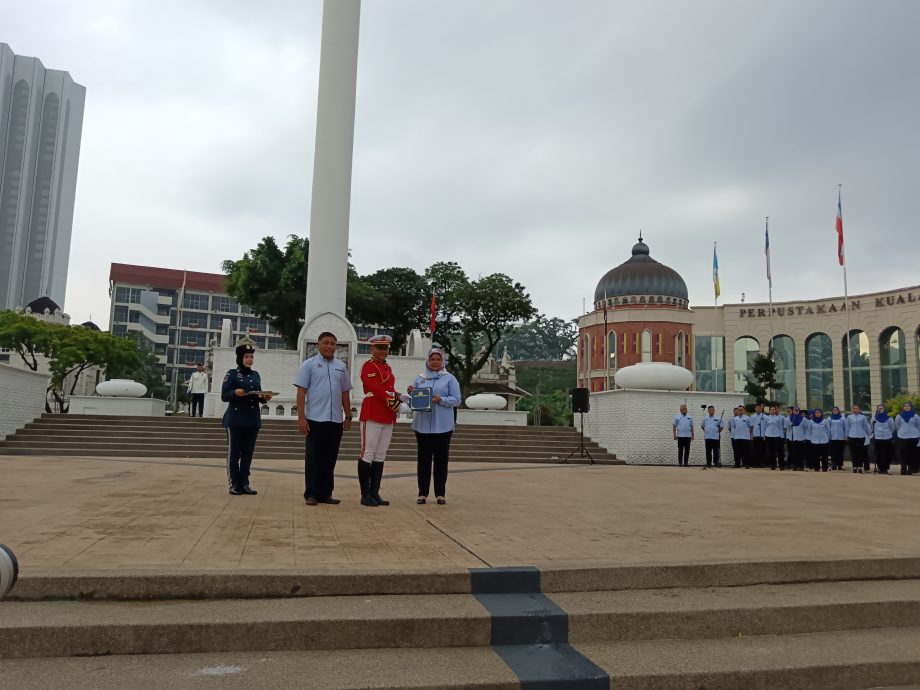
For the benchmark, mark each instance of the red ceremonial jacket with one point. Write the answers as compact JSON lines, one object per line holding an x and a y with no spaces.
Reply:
{"x":381,"y":403}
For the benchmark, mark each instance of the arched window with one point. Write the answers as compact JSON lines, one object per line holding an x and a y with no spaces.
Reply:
{"x":610,"y":351}
{"x":293,"y":410}
{"x":819,"y":371}
{"x":784,"y":358}
{"x":646,"y":345}
{"x":746,"y":348}
{"x":279,"y":411}
{"x":858,"y":364}
{"x":892,"y":355}
{"x":264,"y":410}
{"x":680,"y":349}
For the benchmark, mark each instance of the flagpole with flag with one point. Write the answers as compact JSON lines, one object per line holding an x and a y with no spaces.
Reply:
{"x":715,"y":274}
{"x":605,"y":348}
{"x":846,"y":295}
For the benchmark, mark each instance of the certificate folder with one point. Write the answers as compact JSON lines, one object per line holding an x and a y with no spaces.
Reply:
{"x":420,"y":400}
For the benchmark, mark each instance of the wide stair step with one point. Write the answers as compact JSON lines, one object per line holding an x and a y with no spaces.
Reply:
{"x":818,"y":624}
{"x":108,"y":436}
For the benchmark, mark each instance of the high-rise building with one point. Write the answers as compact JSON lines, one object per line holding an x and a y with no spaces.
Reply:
{"x":180,"y":314}
{"x":41,"y":121}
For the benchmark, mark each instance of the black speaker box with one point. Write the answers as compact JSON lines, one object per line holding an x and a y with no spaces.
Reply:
{"x":580,"y":400}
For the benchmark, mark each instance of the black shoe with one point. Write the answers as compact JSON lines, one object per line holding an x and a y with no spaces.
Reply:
{"x":235,"y":492}
{"x":331,"y":501}
{"x":248,"y":490}
{"x":310,"y":501}
{"x":364,"y":481}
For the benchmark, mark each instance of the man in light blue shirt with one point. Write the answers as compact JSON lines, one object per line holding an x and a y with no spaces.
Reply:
{"x":741,"y":429}
{"x":712,"y":430}
{"x":323,"y":402}
{"x":683,"y":434}
{"x":758,"y":438}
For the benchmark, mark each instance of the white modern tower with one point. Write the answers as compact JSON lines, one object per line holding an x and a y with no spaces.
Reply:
{"x":335,"y":127}
{"x":41,"y":120}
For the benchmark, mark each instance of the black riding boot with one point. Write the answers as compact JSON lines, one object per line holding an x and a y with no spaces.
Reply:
{"x":364,"y":479}
{"x":376,"y":476}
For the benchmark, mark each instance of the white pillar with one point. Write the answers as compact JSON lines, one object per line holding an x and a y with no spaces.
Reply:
{"x":335,"y":124}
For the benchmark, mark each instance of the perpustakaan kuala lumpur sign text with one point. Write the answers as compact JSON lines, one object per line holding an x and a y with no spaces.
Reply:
{"x":831,"y":307}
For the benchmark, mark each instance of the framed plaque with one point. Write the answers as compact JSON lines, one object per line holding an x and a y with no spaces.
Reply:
{"x":420,"y":400}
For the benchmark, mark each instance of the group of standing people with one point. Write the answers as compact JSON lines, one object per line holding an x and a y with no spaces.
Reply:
{"x":324,"y":413}
{"x":806,"y":439}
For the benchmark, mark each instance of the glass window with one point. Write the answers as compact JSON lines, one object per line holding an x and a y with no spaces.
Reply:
{"x":819,"y":371}
{"x":746,"y":349}
{"x":224,"y":304}
{"x":680,"y":349}
{"x":784,"y":358}
{"x":120,"y":314}
{"x":709,"y":363}
{"x":195,"y":300}
{"x":134,"y":316}
{"x":251,"y":324}
{"x":858,"y":364}
{"x":646,"y":346}
{"x":892,"y":354}
{"x":191,"y":319}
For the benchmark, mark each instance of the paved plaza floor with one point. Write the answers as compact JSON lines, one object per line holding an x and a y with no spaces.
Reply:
{"x":77,"y":514}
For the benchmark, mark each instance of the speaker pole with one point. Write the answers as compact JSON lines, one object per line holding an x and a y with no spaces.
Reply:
{"x":581,"y":450}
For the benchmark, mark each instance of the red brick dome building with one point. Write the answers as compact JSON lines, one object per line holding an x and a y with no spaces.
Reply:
{"x":641,"y":314}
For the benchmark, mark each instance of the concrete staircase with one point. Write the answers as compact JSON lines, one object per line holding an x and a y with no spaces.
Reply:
{"x":89,"y":435}
{"x":758,"y":625}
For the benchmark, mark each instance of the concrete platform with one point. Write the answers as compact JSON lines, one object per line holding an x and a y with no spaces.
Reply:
{"x":66,"y":515}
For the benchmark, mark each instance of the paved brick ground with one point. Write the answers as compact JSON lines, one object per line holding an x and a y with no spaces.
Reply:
{"x":64,"y":514}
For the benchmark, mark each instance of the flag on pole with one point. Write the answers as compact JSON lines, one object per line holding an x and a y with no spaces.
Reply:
{"x":715,"y":272}
{"x":767,"y":252}
{"x":839,"y":229}
{"x":433,"y":306}
{"x":605,"y":320}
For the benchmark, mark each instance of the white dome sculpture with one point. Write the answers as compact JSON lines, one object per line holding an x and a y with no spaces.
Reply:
{"x":122,"y":388}
{"x":486,"y":401}
{"x":654,"y":376}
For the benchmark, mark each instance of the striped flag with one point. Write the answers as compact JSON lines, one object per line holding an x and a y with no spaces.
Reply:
{"x":839,"y":229}
{"x":434,"y":307}
{"x":767,"y":252}
{"x":715,"y":272}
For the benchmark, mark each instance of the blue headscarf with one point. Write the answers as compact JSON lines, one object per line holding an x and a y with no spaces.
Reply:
{"x":818,"y":414}
{"x":882,"y":416}
{"x":835,"y":413}
{"x":906,"y":416}
{"x":796,"y":417}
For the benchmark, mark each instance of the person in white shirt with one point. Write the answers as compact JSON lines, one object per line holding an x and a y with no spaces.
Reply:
{"x":198,"y":385}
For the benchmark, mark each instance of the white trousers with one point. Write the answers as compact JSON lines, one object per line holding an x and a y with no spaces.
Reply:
{"x":375,"y":439}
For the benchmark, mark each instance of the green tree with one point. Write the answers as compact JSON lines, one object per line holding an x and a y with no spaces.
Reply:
{"x":893,"y":405}
{"x":76,"y":349}
{"x":761,"y":381}
{"x":403,"y":302}
{"x":473,"y":315}
{"x":553,"y":408}
{"x":146,"y":369}
{"x":27,"y":336}
{"x":273,"y":283}
{"x":542,"y":338}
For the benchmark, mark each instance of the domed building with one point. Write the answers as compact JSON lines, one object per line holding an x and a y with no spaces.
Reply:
{"x":648,"y":319}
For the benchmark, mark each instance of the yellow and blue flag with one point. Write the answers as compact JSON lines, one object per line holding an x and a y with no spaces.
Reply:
{"x":715,"y":272}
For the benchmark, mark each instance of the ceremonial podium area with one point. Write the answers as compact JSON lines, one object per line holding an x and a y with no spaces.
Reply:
{"x":143,"y":572}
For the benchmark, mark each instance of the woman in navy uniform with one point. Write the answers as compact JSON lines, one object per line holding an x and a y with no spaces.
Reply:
{"x":243,"y":418}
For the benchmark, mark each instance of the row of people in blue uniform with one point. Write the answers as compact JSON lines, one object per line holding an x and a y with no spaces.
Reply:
{"x":806,"y":439}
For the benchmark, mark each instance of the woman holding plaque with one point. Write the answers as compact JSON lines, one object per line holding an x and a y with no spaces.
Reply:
{"x":433,"y":423}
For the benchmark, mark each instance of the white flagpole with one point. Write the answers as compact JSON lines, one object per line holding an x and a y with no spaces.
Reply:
{"x":770,"y":349}
{"x":846,"y":297}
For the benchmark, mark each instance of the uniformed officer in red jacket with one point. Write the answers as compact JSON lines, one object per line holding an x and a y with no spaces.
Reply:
{"x":378,"y":415}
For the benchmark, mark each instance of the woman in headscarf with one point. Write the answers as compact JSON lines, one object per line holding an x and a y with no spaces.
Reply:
{"x":837,"y":428}
{"x":820,"y":438}
{"x":242,"y":390}
{"x":434,"y":427}
{"x":858,"y":440}
{"x":882,"y":433}
{"x":907,"y":428}
{"x":798,"y":432}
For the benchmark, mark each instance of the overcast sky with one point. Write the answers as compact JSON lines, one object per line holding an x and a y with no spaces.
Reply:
{"x":530,"y":138}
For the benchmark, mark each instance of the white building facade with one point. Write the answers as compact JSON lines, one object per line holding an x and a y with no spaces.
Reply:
{"x":41,"y":123}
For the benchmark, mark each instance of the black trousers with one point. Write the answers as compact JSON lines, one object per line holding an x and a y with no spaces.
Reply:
{"x":859,"y":453}
{"x":820,"y":456}
{"x":713,"y":452}
{"x":241,"y":443}
{"x":884,"y":449}
{"x":907,"y":454}
{"x":198,"y":403}
{"x":683,"y":450}
{"x":776,"y":452}
{"x":758,"y":452}
{"x":797,"y":454}
{"x":741,"y":449}
{"x":837,"y":454}
{"x":433,"y":448}
{"x":322,"y":451}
